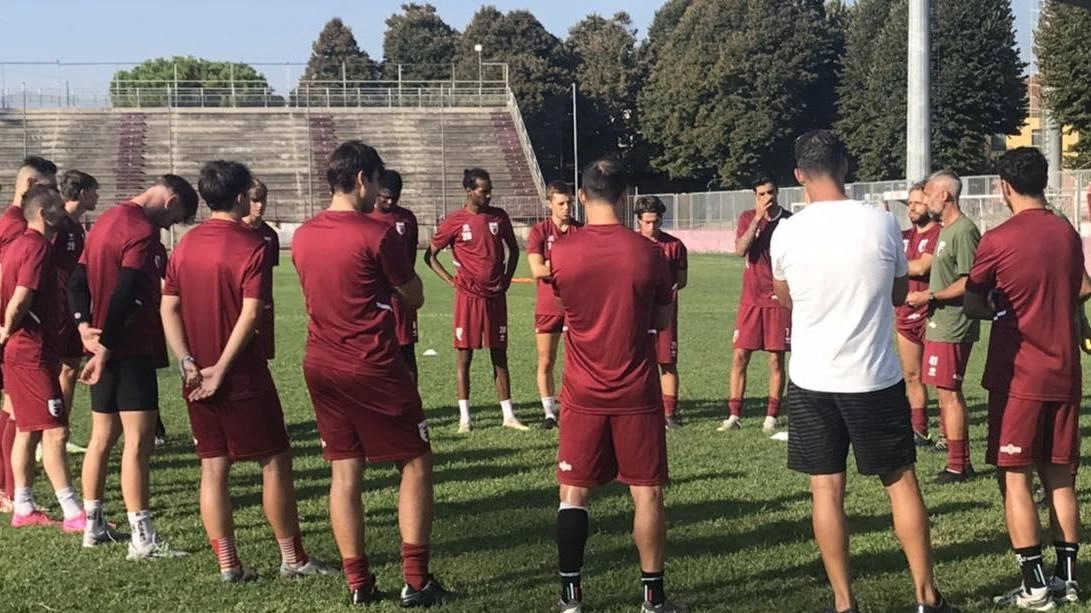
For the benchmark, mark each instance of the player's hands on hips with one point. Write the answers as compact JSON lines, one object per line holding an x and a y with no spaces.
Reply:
{"x":916,"y":299}
{"x":90,"y":338}
{"x":211,"y":380}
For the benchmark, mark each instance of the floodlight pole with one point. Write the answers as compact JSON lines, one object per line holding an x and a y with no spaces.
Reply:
{"x":918,"y":137}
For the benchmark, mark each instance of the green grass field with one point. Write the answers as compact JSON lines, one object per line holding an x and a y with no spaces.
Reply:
{"x":740,"y":533}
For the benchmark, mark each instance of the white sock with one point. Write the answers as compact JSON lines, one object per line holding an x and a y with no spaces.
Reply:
{"x":24,"y":501}
{"x":463,"y":411}
{"x":143,"y":531}
{"x":96,"y":517}
{"x":69,"y":503}
{"x":508,"y":410}
{"x":548,"y":403}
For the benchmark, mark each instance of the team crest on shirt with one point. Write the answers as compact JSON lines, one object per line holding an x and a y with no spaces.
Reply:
{"x":400,"y":227}
{"x":494,"y":227}
{"x":467,"y":234}
{"x":56,"y":407}
{"x":565,"y":467}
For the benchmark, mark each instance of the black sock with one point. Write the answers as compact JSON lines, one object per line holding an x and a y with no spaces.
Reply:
{"x":1030,"y":563}
{"x":1066,"y":560}
{"x":572,"y":527}
{"x":654,"y":592}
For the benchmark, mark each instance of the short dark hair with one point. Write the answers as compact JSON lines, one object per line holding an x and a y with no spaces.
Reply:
{"x":558,"y":187}
{"x":1026,"y":170}
{"x":185,"y":192}
{"x":40,"y":165}
{"x":471,"y":176}
{"x":391,"y":180}
{"x":257,"y":192}
{"x":45,"y":198}
{"x":75,"y":182}
{"x":918,"y":186}
{"x":649,"y":204}
{"x":820,"y":152}
{"x":605,"y":179}
{"x":762,"y":180}
{"x":349,"y":159}
{"x":222,"y":182}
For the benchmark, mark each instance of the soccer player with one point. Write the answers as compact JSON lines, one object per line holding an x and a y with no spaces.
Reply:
{"x":846,"y":385}
{"x":477,"y":235}
{"x":114,"y":295}
{"x":365,"y":400}
{"x":548,"y":314}
{"x":32,"y":312}
{"x":615,"y":287}
{"x":1028,"y":278}
{"x":388,"y":210}
{"x":258,"y":195}
{"x":951,"y":335}
{"x":217,"y":282}
{"x":911,"y":322}
{"x":649,"y":211}
{"x":33,"y":171}
{"x":762,"y":323}
{"x":80,"y":193}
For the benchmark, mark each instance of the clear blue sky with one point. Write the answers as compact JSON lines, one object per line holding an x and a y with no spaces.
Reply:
{"x":258,"y":32}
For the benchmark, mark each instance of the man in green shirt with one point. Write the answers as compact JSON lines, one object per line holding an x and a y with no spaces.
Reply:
{"x":951,"y":334}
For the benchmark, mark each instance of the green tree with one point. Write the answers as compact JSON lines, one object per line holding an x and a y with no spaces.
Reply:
{"x":420,"y":41}
{"x":608,"y":75}
{"x":540,"y":75}
{"x":1064,"y":58}
{"x":732,"y":86}
{"x":336,"y":62}
{"x":190,"y":81}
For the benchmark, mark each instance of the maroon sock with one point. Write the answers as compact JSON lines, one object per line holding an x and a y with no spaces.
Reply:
{"x":773,"y":408}
{"x":734,"y":406}
{"x":920,"y":421}
{"x":7,"y":442}
{"x":415,"y":565}
{"x":958,"y":455}
{"x":670,"y":405}
{"x":357,"y":573}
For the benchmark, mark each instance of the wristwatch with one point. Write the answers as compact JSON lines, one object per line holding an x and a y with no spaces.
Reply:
{"x":931,"y":297}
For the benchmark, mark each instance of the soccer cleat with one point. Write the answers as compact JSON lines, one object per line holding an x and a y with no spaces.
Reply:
{"x":673,"y":424}
{"x":34,"y":518}
{"x":923,"y":441}
{"x":769,"y":426}
{"x":160,"y":434}
{"x":464,"y":427}
{"x":731,"y":423}
{"x":310,"y":569}
{"x":73,"y":448}
{"x":75,"y":524}
{"x":105,"y":537}
{"x":549,"y":423}
{"x":666,"y":607}
{"x":1068,"y":591}
{"x":941,"y":607}
{"x":570,"y":607}
{"x":515,"y":424}
{"x":366,"y":595}
{"x":239,"y":574}
{"x":156,"y":551}
{"x":432,"y":593}
{"x":946,"y":476}
{"x":1040,"y":599}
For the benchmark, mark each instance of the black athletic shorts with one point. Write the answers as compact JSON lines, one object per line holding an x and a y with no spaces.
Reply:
{"x":824,"y":424}
{"x":127,"y":384}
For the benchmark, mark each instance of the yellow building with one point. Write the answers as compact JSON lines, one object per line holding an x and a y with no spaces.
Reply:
{"x":1031,"y":133}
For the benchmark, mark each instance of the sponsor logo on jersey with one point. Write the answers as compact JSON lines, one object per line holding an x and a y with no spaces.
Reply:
{"x":1010,"y":449}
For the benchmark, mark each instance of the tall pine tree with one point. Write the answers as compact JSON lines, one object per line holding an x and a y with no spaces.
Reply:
{"x":421,"y":42}
{"x":1064,"y":58}
{"x":336,"y":56}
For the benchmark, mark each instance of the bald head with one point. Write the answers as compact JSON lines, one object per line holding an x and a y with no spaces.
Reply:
{"x":34,"y":170}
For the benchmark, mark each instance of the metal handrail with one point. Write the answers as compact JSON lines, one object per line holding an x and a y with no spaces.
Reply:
{"x":528,"y":149}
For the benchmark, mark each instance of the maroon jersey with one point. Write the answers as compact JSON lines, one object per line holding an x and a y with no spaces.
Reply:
{"x":677,"y":257}
{"x":757,"y":279}
{"x":28,"y":261}
{"x":213,"y":268}
{"x":610,"y":281}
{"x":1035,"y":259}
{"x":405,"y":225}
{"x":266,"y":334}
{"x":477,"y":246}
{"x":349,"y":265}
{"x":124,"y":238}
{"x":540,"y":241}
{"x":12,"y":225}
{"x":68,"y":247}
{"x":917,"y":244}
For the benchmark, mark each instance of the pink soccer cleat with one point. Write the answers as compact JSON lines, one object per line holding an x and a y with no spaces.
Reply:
{"x":76,"y":524}
{"x":35,"y":518}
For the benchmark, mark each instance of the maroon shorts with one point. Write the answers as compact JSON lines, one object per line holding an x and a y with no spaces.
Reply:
{"x":1029,"y":432}
{"x":480,"y":322}
{"x":548,"y":324}
{"x":373,"y":416}
{"x":763,"y":329}
{"x":242,"y":429}
{"x":70,"y":345}
{"x":944,"y":364}
{"x":666,"y":341}
{"x":36,"y":398}
{"x":913,"y":330}
{"x":597,"y":449}
{"x":405,"y":324}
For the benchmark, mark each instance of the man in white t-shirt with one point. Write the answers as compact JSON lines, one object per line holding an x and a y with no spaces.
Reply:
{"x":840,"y":266}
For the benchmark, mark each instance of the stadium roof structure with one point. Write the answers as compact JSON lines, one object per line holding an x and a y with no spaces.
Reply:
{"x":1085,"y":4}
